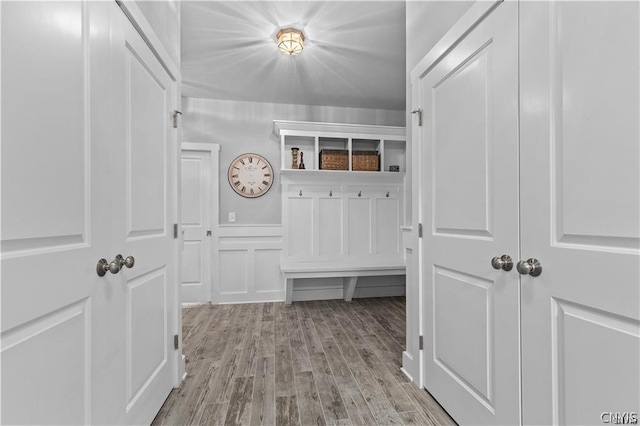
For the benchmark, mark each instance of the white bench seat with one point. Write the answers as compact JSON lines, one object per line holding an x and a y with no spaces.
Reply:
{"x":349,"y":272}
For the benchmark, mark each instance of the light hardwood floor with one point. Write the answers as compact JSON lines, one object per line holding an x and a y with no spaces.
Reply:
{"x":320,"y":362}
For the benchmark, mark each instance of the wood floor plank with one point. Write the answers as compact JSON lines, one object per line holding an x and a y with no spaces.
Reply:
{"x":299,"y":353}
{"x":311,"y":338}
{"x":249,"y":356}
{"x":357,"y":407}
{"x":266,"y":343}
{"x":262,"y":408}
{"x":371,"y":326}
{"x":381,"y":408}
{"x":416,"y":418}
{"x":285,"y":381}
{"x":267,"y":312}
{"x":221,"y":330}
{"x":251,"y":364}
{"x":351,"y":328}
{"x":387,"y":381}
{"x":332,"y":403}
{"x":341,"y":372}
{"x":199,"y":397}
{"x":239,"y":411}
{"x":309,"y":404}
{"x":214,"y":414}
{"x":428,"y":406}
{"x":287,"y":411}
{"x":392,"y":360}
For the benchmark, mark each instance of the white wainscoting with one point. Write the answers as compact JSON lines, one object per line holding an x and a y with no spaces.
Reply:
{"x":247,"y":265}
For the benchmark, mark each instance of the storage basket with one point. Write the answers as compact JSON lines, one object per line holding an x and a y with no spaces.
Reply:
{"x":334,"y":159}
{"x":365,"y":161}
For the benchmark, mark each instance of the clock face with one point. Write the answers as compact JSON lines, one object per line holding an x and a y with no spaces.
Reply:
{"x":250,"y":175}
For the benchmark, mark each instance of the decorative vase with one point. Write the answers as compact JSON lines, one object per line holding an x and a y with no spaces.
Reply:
{"x":294,"y":158}
{"x":301,"y":166}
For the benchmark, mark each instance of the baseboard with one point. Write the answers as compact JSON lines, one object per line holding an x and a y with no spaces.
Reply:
{"x":406,"y":373}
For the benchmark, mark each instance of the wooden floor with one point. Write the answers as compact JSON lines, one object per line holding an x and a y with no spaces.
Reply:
{"x":320,"y":362}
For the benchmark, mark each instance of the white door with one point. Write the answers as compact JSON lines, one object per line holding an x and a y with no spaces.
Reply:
{"x":142,"y":169}
{"x":54,"y":226}
{"x":580,"y":176}
{"x":77,"y":348}
{"x":470,"y":212}
{"x":199,"y":201}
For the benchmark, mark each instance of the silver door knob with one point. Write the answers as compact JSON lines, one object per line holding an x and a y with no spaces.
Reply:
{"x":105,"y":266}
{"x":129,"y":261}
{"x":531,"y":267}
{"x":503,"y":262}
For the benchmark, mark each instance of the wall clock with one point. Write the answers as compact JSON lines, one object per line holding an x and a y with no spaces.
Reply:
{"x":250,"y":175}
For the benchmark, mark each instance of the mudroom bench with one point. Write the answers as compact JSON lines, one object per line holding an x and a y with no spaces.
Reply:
{"x":349,"y":272}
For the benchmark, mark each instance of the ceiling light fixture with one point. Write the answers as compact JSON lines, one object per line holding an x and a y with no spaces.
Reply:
{"x":290,"y":41}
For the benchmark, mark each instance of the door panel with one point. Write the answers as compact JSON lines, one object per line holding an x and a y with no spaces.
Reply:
{"x":469,"y":135}
{"x":462,"y":184}
{"x":579,"y":148}
{"x":146,"y":331}
{"x":42,"y":361}
{"x":463,"y":307}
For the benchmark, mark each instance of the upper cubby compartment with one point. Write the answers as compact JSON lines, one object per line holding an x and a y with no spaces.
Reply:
{"x":336,"y":146}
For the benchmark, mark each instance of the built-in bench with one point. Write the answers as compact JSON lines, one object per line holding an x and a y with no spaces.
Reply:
{"x":349,"y":272}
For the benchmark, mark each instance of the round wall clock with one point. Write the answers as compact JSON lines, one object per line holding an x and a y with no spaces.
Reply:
{"x":250,"y":175}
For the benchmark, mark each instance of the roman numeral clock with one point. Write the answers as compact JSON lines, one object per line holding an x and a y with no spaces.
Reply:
{"x":250,"y":175}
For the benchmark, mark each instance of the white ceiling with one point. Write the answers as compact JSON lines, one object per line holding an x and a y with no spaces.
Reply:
{"x":354,"y":55}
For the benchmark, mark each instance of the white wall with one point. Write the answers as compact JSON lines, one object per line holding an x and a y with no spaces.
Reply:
{"x":164,"y":18}
{"x":248,"y":127}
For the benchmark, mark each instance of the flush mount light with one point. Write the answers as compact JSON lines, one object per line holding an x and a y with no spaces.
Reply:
{"x":290,"y":41}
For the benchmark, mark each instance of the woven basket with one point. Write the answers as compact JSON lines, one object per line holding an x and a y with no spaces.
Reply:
{"x":366,"y":161}
{"x":334,"y":159}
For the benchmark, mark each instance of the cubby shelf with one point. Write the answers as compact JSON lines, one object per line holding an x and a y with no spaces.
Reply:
{"x":311,"y":138}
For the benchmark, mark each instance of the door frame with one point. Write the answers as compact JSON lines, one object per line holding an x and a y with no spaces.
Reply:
{"x":135,"y":15}
{"x":214,"y":184}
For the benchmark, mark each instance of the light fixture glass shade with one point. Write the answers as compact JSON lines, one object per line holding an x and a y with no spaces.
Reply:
{"x":290,"y":41}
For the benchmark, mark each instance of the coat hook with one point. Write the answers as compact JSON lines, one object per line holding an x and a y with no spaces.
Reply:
{"x":359,"y":193}
{"x":301,"y":192}
{"x":330,"y":193}
{"x":387,"y":194}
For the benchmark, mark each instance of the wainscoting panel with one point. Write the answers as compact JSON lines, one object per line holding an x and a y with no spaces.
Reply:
{"x":248,"y":270}
{"x":249,"y":264}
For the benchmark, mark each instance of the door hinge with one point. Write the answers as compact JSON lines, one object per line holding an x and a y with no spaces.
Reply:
{"x":175,"y":230}
{"x":419,"y":230}
{"x":419,"y":112}
{"x":175,"y":118}
{"x":176,"y":342}
{"x":421,"y":343}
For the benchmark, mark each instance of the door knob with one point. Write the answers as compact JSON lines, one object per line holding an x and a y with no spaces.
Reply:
{"x":104,"y":266}
{"x":531,"y":267}
{"x":129,"y":261}
{"x":503,"y":262}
